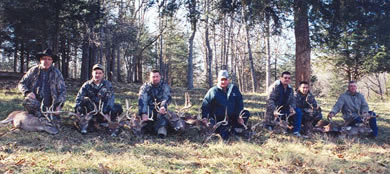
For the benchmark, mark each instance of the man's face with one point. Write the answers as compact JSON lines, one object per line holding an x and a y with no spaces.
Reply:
{"x":97,"y":75}
{"x":46,"y":62}
{"x":223,"y":82}
{"x":285,"y":79}
{"x":155,"y":78}
{"x":352,"y":87}
{"x":304,"y":88}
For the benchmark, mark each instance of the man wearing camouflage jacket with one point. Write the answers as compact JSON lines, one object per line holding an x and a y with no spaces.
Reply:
{"x":153,"y":100}
{"x":353,"y":106}
{"x":96,"y":91}
{"x":281,"y":94}
{"x":43,"y":83}
{"x":307,"y":103}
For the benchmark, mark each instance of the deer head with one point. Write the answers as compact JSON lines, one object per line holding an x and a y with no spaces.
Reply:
{"x":114,"y":127}
{"x":82,"y":120}
{"x":175,"y":119}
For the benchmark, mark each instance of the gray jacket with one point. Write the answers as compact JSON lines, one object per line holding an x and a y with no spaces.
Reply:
{"x":351,"y":106}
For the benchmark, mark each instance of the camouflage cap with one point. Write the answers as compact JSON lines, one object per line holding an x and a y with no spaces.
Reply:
{"x":98,"y":66}
{"x":223,"y":74}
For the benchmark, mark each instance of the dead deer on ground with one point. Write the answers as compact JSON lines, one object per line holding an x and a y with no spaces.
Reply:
{"x":25,"y":121}
{"x":114,"y":127}
{"x":175,"y":119}
{"x":280,"y":125}
{"x":312,"y":112}
{"x":210,"y":130}
{"x":82,"y":121}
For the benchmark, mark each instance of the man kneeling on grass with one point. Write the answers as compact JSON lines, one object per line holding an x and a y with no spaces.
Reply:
{"x":224,"y":102}
{"x":95,"y":92}
{"x":354,"y":108}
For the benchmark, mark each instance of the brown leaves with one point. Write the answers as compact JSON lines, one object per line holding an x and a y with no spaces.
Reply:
{"x":104,"y":169}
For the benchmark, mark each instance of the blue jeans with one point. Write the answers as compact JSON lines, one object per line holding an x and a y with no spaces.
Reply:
{"x":226,"y":130}
{"x":372,"y":123}
{"x":296,"y":120}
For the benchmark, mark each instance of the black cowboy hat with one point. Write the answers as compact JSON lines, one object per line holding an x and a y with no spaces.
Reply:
{"x":46,"y":52}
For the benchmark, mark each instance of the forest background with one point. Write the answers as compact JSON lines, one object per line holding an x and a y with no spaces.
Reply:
{"x":325,"y":42}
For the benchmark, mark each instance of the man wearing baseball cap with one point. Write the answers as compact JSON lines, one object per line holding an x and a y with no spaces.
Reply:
{"x":97,"y":90}
{"x":44,"y":84}
{"x":224,"y":101}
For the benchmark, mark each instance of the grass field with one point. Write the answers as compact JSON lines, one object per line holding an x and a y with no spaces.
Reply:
{"x":97,"y":152}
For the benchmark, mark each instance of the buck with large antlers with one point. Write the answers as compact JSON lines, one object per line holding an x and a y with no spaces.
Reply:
{"x":176,"y":119}
{"x":25,"y":121}
{"x":280,"y":125}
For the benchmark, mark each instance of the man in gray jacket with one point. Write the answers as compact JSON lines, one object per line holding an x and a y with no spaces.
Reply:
{"x":353,"y":106}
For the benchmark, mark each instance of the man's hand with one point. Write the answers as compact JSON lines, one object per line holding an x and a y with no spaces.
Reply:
{"x":162,"y":110}
{"x":205,"y":121}
{"x":31,"y":95}
{"x":58,"y":108}
{"x":145,"y":117}
{"x":330,"y":115}
{"x":240,"y":121}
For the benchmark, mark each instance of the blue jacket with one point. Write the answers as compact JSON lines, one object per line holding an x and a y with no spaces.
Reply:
{"x":216,"y":101}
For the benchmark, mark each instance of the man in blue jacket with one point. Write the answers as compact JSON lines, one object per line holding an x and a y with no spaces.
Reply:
{"x":224,"y":101}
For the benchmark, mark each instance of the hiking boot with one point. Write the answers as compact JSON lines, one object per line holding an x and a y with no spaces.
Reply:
{"x":297,"y":134}
{"x":162,"y":132}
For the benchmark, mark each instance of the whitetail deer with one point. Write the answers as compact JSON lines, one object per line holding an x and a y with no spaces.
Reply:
{"x":82,"y":120}
{"x":312,"y":113}
{"x":280,"y":125}
{"x":114,"y":127}
{"x":175,"y":119}
{"x":210,"y":129}
{"x":25,"y":121}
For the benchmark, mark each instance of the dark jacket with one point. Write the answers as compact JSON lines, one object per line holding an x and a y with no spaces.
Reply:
{"x":217,"y":101}
{"x":275,"y":99}
{"x":149,"y":94}
{"x":103,"y":92}
{"x":303,"y":101}
{"x":30,"y":83}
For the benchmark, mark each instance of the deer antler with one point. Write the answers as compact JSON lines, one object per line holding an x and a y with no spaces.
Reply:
{"x":240,"y":116}
{"x":187,"y":105}
{"x":277,"y":111}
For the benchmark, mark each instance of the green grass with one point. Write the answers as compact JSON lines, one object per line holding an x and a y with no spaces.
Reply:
{"x":97,"y":152}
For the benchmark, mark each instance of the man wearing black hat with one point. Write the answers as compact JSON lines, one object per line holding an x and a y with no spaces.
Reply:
{"x":97,"y":90}
{"x":43,"y":83}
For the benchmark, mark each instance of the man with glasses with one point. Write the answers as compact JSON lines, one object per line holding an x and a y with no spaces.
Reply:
{"x":281,"y":95}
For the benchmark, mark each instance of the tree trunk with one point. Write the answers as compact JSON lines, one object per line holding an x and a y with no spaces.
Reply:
{"x":22,"y":58}
{"x":250,"y":57}
{"x":16,"y":57}
{"x":302,"y":50}
{"x":268,"y":62}
{"x":84,"y":75}
{"x":118,"y":65}
{"x":190,"y":69}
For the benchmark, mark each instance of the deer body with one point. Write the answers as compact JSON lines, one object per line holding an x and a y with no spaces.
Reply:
{"x":24,"y":120}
